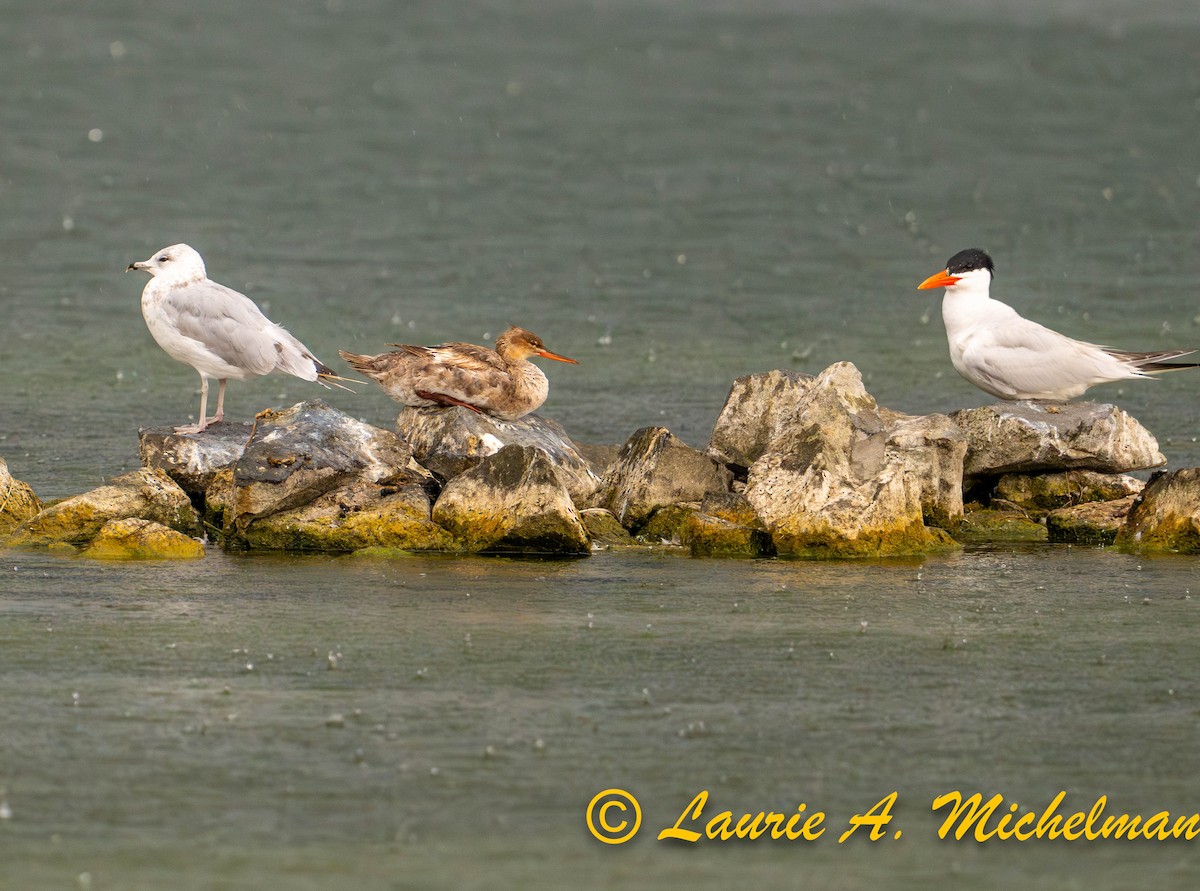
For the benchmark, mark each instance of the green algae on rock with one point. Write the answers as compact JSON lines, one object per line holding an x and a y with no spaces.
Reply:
{"x":17,"y":501}
{"x":352,"y":518}
{"x":512,"y":502}
{"x":145,"y":494}
{"x":137,"y":539}
{"x":1166,"y":516}
{"x":1094,"y":522}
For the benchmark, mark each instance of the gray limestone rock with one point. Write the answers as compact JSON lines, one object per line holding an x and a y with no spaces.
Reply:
{"x":512,"y":502}
{"x":449,"y":441}
{"x":656,"y":469}
{"x":1034,"y":437}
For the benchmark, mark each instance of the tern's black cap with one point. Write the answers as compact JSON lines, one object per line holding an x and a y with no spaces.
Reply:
{"x":970,"y":260}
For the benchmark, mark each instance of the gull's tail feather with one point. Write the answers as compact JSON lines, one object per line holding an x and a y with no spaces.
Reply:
{"x":327,"y":377}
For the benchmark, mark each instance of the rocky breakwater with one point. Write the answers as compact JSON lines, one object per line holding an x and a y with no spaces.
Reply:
{"x":797,"y":465}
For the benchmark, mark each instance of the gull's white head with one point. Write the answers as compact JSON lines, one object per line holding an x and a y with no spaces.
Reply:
{"x":177,"y":263}
{"x":967,"y":272}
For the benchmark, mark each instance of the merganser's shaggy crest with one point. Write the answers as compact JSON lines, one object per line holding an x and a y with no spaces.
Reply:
{"x":216,"y":330}
{"x":1013,"y":358}
{"x":500,"y":382}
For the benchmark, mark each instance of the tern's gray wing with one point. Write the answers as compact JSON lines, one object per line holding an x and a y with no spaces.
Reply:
{"x":226,"y":323}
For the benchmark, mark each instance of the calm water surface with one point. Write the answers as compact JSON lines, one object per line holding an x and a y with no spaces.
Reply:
{"x":675,"y":194}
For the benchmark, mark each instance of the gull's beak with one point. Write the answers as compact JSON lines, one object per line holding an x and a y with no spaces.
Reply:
{"x":941,"y":279}
{"x":137,"y":264}
{"x":546,"y":354}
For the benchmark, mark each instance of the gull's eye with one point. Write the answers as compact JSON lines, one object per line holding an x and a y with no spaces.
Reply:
{"x":164,"y":259}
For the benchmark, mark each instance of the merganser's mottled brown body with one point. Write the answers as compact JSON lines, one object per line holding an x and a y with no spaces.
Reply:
{"x":500,"y":382}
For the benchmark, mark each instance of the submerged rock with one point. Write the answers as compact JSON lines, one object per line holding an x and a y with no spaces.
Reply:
{"x":1033,"y":437}
{"x":604,"y":529}
{"x":1095,"y":522}
{"x":1038,"y":495}
{"x":136,"y":539}
{"x":512,"y":502}
{"x":656,"y":469}
{"x":844,"y":478}
{"x":296,"y":455}
{"x":17,"y":501}
{"x":1166,"y":516}
{"x":145,"y":494}
{"x":193,"y":459}
{"x":999,"y":525}
{"x":353,"y":517}
{"x":757,"y":408}
{"x":450,"y":441}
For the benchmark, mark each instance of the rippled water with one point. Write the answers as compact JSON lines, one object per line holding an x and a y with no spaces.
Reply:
{"x":674,"y":194}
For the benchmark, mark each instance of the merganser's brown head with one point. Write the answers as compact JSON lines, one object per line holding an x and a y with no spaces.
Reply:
{"x":517,"y":343}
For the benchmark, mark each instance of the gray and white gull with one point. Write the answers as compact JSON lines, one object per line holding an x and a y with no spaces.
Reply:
{"x":218,"y":331}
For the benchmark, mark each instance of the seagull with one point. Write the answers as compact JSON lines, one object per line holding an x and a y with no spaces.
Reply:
{"x":500,"y":382}
{"x":1013,"y":358}
{"x":216,"y":330}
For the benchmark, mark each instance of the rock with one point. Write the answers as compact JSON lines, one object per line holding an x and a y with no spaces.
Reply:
{"x":512,"y":502}
{"x":1031,"y":437}
{"x":757,"y":408}
{"x":1166,"y":516}
{"x":600,"y":457}
{"x":845,"y":478}
{"x":353,"y":517}
{"x":17,"y":501}
{"x":192,"y":460}
{"x":706,"y":535}
{"x":666,"y":525}
{"x":653,"y":470}
{"x":450,"y":441}
{"x":1038,"y":495}
{"x":1094,"y":522}
{"x":604,"y":529}
{"x":145,"y":494}
{"x":296,"y":455}
{"x":999,"y":525}
{"x":135,"y":539}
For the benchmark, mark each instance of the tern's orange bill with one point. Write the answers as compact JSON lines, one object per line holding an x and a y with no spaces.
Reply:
{"x":941,"y":279}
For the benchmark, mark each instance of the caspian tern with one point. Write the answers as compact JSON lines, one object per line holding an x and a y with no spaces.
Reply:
{"x":1013,"y":358}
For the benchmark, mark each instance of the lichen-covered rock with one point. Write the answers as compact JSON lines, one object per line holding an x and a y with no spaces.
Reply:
{"x":604,"y":529}
{"x":1094,"y":522}
{"x":1040,"y":494}
{"x":706,"y":535}
{"x":843,"y":478}
{"x":449,"y":441}
{"x":1166,"y":516}
{"x":193,"y":459}
{"x":666,"y":525}
{"x":999,"y":525}
{"x":145,"y":494}
{"x":296,"y":455}
{"x":1033,"y":437}
{"x":136,"y":539}
{"x":512,"y":502}
{"x":757,"y":408}
{"x":359,"y":515}
{"x":656,"y":469}
{"x":17,"y":501}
